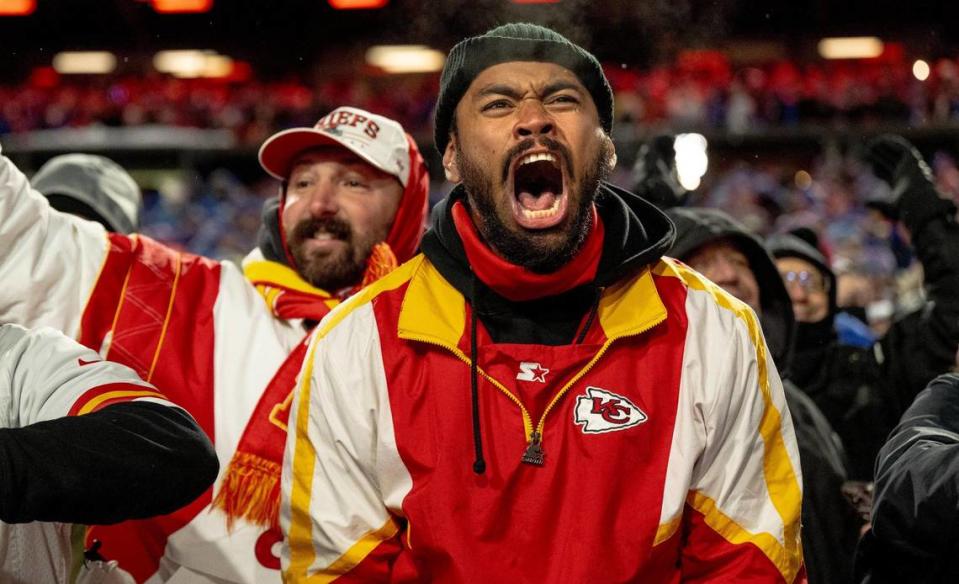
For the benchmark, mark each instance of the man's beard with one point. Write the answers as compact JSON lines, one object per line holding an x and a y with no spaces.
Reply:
{"x":330,"y":271}
{"x":525,"y":248}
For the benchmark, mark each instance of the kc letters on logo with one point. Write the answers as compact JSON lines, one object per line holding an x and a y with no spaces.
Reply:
{"x":604,"y":411}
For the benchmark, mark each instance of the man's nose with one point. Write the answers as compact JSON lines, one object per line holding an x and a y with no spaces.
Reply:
{"x":323,"y":199}
{"x":797,"y":293}
{"x":533,"y":120}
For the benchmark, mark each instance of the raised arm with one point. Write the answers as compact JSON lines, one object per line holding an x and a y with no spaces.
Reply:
{"x":86,"y":441}
{"x":49,"y":261}
{"x":921,"y":345}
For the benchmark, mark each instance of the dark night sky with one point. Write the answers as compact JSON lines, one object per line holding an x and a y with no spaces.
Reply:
{"x":279,"y":35}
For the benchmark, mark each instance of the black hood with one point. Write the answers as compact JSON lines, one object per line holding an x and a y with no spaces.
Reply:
{"x":789,"y":246}
{"x":637,"y":234}
{"x":268,"y":237}
{"x":695,"y":227}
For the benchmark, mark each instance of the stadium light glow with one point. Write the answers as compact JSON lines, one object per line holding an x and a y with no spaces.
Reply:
{"x":358,"y":4}
{"x":850,"y":48}
{"x":84,"y":62}
{"x":190,"y":64}
{"x":920,"y":70}
{"x":17,"y":7}
{"x":691,"y":159}
{"x":181,"y":6}
{"x":405,"y":58}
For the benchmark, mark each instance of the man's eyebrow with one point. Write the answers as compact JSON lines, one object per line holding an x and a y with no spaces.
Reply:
{"x":498,"y":89}
{"x":561,"y":85}
{"x":514,"y":93}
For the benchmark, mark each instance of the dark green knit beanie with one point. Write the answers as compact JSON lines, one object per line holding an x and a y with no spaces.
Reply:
{"x":516,"y":42}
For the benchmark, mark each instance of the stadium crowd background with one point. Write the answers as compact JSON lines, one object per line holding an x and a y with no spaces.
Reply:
{"x":782,"y":127}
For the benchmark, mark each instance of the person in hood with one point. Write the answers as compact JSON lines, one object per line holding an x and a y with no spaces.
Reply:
{"x":733,"y":257}
{"x":539,"y":396}
{"x":222,"y":342}
{"x":844,"y":380}
{"x":93,"y":187}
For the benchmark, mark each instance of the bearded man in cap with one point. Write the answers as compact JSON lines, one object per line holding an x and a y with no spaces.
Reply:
{"x":223,"y":343}
{"x":540,"y":396}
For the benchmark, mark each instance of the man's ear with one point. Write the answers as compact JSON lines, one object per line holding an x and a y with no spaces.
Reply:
{"x":450,"y":168}
{"x":612,"y":159}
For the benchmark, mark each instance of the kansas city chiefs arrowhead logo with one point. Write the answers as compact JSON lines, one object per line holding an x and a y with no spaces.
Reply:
{"x":604,"y":411}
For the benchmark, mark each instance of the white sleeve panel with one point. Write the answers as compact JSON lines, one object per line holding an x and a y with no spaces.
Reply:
{"x":734,"y":456}
{"x":343,"y":479}
{"x":735,"y":466}
{"x":49,"y":261}
{"x":43,"y":374}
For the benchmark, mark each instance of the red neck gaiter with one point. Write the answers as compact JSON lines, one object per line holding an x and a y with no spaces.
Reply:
{"x":519,"y":284}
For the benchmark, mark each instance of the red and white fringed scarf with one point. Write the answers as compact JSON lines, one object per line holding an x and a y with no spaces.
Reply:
{"x":251,"y":486}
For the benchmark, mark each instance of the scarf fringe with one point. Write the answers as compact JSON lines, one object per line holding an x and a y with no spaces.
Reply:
{"x":382,"y":261}
{"x":250,"y":491}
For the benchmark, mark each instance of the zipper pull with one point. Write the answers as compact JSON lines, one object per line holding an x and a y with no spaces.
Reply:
{"x":534,"y":450}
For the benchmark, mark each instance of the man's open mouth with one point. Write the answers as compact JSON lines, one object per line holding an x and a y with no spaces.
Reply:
{"x":539,"y":193}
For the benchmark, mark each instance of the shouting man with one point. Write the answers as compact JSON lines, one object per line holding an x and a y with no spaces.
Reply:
{"x":224,"y":344}
{"x":540,"y":396}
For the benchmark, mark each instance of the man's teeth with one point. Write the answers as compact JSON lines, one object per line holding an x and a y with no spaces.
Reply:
{"x":542,"y":213}
{"x":323,"y":236}
{"x":536,"y":158}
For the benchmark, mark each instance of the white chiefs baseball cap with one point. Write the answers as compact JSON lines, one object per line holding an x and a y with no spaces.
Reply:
{"x":377,"y":140}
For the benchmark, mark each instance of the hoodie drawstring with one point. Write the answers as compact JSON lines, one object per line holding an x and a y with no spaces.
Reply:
{"x":590,"y":318}
{"x":479,"y":464}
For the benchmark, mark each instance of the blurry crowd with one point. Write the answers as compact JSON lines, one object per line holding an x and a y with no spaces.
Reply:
{"x":700,"y":90}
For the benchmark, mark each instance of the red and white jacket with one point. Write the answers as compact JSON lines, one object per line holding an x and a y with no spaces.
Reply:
{"x":669,"y":451}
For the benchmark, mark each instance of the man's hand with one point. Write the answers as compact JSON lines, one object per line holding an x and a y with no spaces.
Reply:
{"x":893,"y":157}
{"x":654,"y":174}
{"x":913,"y":196}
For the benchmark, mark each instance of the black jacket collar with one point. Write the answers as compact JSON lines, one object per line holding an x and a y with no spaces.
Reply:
{"x":637,"y":234}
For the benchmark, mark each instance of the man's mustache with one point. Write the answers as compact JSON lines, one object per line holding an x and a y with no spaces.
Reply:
{"x":529,"y":144}
{"x":308,"y":228}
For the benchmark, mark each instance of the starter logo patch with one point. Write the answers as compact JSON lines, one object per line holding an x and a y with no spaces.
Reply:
{"x":529,"y":371}
{"x":604,"y":411}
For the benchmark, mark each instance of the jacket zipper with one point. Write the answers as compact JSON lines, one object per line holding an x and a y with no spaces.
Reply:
{"x":527,"y":419}
{"x":534,"y":454}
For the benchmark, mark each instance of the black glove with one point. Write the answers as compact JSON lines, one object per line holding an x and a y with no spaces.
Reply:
{"x":892,"y":156}
{"x":913,"y":198}
{"x":654,"y":174}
